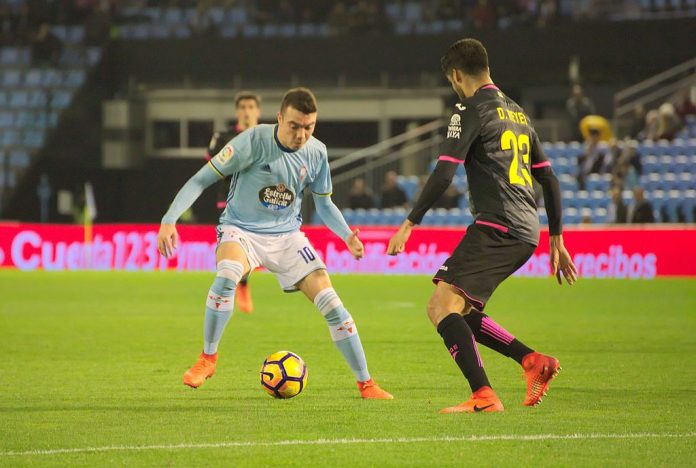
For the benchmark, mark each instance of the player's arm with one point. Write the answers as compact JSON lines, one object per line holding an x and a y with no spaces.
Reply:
{"x":167,"y":238}
{"x":235,"y":156}
{"x":561,"y":263}
{"x":329,"y":213}
{"x":462,"y":131}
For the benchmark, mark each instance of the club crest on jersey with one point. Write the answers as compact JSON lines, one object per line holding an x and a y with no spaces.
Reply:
{"x":276,"y":197}
{"x":225,"y":155}
{"x":454,"y":129}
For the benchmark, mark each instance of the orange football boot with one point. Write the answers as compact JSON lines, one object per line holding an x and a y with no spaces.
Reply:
{"x":539,"y":370}
{"x":483,"y":400}
{"x":243,"y":297}
{"x":369,"y":390}
{"x":203,"y":369}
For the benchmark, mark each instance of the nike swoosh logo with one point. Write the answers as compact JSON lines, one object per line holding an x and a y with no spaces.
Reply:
{"x":478,"y":410}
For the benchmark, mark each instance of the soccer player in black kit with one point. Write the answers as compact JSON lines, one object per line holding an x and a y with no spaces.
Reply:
{"x":247,"y":110}
{"x":494,"y":139}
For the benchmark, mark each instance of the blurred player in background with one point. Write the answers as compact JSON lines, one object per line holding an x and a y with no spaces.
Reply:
{"x":270,"y":166}
{"x":247,"y":110}
{"x":494,"y":139}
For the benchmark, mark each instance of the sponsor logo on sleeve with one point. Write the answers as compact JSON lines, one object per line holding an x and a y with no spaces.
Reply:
{"x":454,"y":129}
{"x":225,"y":155}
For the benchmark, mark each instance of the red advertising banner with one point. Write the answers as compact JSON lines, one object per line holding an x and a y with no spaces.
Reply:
{"x":605,"y":252}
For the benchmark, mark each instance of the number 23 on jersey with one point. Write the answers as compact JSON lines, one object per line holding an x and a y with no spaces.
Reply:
{"x":520,"y":146}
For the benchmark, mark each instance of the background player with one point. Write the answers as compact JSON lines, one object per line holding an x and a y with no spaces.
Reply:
{"x":247,"y":110}
{"x":270,"y":166}
{"x":493,"y":137}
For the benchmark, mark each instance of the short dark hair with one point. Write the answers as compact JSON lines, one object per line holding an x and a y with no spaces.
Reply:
{"x":467,"y":55}
{"x":245,"y":95}
{"x":301,"y":99}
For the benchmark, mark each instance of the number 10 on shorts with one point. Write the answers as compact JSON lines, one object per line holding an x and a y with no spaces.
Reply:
{"x":307,"y":254}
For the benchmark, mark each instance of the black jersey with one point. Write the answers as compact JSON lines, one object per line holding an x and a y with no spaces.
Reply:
{"x":494,"y":139}
{"x":217,"y":142}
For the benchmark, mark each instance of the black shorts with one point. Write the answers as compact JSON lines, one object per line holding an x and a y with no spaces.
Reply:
{"x":481,"y":261}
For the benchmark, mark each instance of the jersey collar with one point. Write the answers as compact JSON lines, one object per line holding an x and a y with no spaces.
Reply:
{"x":285,"y":149}
{"x":488,"y":86}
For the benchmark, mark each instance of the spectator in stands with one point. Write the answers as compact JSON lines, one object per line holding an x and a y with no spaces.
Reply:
{"x":449,"y":199}
{"x":651,"y":123}
{"x":637,"y":122}
{"x":641,"y":211}
{"x":686,"y":105}
{"x":392,"y":195}
{"x":668,"y":123}
{"x":593,"y":158}
{"x":626,"y":166}
{"x":46,"y":47}
{"x":483,"y":14}
{"x":338,"y":19}
{"x":578,"y":106}
{"x":617,"y":212}
{"x":360,"y":196}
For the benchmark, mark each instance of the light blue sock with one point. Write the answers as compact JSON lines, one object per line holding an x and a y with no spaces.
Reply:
{"x":343,"y":332}
{"x":220,"y":302}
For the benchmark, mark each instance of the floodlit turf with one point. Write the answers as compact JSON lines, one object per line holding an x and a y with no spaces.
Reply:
{"x":95,"y":360}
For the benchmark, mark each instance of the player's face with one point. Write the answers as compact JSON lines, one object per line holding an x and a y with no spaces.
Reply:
{"x":247,"y":113}
{"x":295,"y":127}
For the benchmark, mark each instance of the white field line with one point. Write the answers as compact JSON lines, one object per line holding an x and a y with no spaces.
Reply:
{"x":395,"y":440}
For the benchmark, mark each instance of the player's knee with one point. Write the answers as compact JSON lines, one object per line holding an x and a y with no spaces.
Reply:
{"x":229,"y":273}
{"x":435,"y":310}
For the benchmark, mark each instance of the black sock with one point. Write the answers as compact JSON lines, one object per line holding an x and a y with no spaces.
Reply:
{"x":462,"y":346}
{"x":492,"y":335}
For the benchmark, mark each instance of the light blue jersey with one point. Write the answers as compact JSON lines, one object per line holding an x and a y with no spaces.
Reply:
{"x":268,"y":180}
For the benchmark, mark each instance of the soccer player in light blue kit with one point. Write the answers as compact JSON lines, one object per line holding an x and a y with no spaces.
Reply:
{"x":270,"y":166}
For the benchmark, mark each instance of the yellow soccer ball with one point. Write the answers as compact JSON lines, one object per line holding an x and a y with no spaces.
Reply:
{"x":283,"y":374}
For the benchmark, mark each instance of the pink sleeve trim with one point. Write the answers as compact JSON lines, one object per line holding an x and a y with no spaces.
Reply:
{"x":541,"y":164}
{"x":444,"y":157}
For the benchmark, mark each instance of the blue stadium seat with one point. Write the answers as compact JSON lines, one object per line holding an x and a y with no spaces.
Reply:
{"x":403,"y":29}
{"x":19,"y":99}
{"x":408,"y":184}
{"x":454,"y":25}
{"x":657,"y":199}
{"x":681,"y":164}
{"x":251,"y":30}
{"x":7,"y":120}
{"x":19,"y":159}
{"x":75,"y":78}
{"x":173,"y":16}
{"x":60,"y":99}
{"x":76,"y":34}
{"x":229,"y":30}
{"x":4,"y":99}
{"x":650,"y":164}
{"x":237,"y":15}
{"x":373,"y":216}
{"x":93,"y":55}
{"x":60,"y":31}
{"x":543,"y":218}
{"x":37,"y":99}
{"x":347,"y":215}
{"x":671,"y":206}
{"x":33,"y":78}
{"x":9,"y":137}
{"x":216,"y":15}
{"x":571,"y":216}
{"x":288,"y":30}
{"x":599,"y":216}
{"x":160,"y":31}
{"x":669,"y":182}
{"x":51,"y":78}
{"x":595,"y":182}
{"x":652,"y":181}
{"x":599,"y":199}
{"x":308,"y":29}
{"x":359,"y":216}
{"x":688,"y":205}
{"x":666,"y":163}
{"x":11,"y":78}
{"x":686,"y":181}
{"x":33,"y":138}
{"x":582,"y":199}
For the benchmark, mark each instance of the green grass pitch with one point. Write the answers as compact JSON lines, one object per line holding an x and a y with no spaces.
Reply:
{"x":94,"y":361}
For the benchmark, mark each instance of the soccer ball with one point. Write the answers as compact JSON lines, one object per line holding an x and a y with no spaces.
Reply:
{"x":283,"y":374}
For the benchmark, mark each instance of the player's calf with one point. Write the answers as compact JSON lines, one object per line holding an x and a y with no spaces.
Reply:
{"x":345,"y":335}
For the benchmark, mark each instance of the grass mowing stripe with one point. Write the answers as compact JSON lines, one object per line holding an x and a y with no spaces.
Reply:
{"x":493,"y":438}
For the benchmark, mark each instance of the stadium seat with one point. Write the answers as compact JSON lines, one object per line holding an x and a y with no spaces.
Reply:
{"x":75,"y":78}
{"x":37,"y":99}
{"x":33,"y":138}
{"x":19,"y":99}
{"x":11,"y":78}
{"x":3,"y":98}
{"x":60,"y":99}
{"x":19,"y":159}
{"x":671,"y":206}
{"x":251,"y":30}
{"x":7,"y":119}
{"x":571,"y":216}
{"x":650,"y":163}
{"x":686,"y":182}
{"x":657,"y":200}
{"x":33,"y":78}
{"x":688,"y":205}
{"x":599,"y":216}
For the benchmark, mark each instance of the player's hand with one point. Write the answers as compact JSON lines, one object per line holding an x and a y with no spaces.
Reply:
{"x":355,"y":245}
{"x":397,"y":243}
{"x":561,"y":263}
{"x":167,"y":239}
